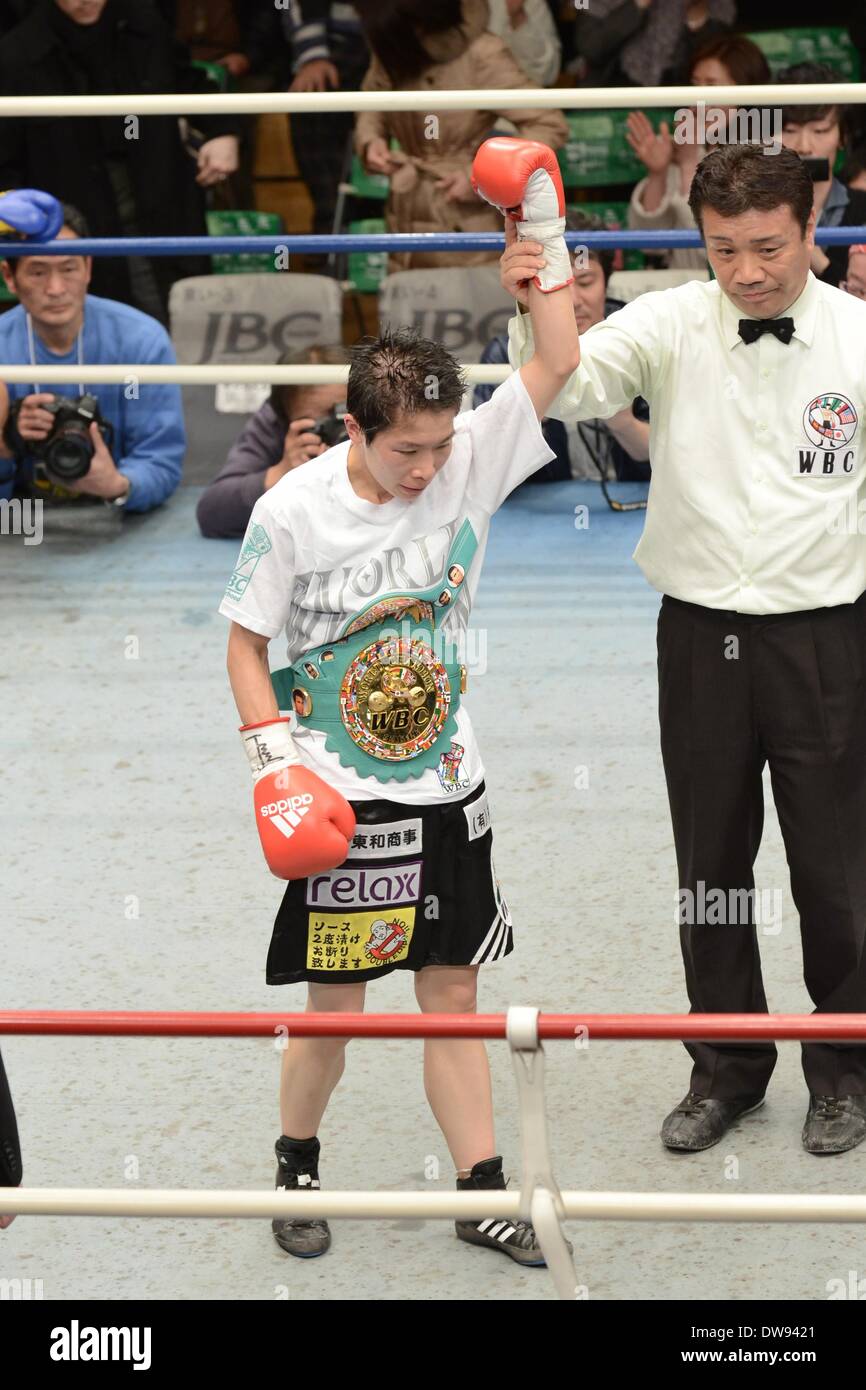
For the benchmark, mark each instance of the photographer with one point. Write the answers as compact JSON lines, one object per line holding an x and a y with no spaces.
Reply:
{"x":123,"y":443}
{"x":295,"y":424}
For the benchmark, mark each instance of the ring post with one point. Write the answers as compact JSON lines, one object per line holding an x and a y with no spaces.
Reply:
{"x":540,"y":1197}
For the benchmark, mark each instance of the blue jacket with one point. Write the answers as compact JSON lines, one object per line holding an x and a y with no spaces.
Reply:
{"x":149,"y":437}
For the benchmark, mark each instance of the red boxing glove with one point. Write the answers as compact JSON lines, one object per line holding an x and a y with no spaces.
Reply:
{"x":304,"y":825}
{"x":521,"y":178}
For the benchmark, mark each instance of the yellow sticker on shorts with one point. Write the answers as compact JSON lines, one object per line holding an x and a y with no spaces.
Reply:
{"x":360,"y":941}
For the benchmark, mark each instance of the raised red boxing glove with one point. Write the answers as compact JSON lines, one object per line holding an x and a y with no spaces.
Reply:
{"x":304,"y":825}
{"x":522,"y":179}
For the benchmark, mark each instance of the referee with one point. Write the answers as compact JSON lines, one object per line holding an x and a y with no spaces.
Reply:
{"x":756,"y":383}
{"x":10,"y":1150}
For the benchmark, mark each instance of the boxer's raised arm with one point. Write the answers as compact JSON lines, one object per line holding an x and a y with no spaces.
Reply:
{"x":522,"y":179}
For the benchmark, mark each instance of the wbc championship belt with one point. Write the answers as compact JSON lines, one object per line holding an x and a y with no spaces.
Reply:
{"x":381,"y":692}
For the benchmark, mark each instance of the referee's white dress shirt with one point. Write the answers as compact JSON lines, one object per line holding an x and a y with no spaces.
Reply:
{"x":758,"y":459}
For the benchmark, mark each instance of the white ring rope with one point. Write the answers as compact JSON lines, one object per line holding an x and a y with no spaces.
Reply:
{"x":446,"y":1206}
{"x":130,"y":374}
{"x":477,"y":99}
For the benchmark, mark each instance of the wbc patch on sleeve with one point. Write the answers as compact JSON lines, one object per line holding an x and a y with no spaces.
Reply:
{"x":257,"y":543}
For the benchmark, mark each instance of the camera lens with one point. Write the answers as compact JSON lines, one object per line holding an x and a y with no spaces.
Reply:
{"x":69,"y":453}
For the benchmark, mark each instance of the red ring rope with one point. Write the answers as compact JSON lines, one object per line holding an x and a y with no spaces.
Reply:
{"x":730,"y":1027}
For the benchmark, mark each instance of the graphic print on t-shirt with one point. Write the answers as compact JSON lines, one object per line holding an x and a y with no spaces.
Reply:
{"x":322,"y":598}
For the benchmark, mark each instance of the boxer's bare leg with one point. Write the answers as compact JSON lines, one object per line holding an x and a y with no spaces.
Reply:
{"x":456,"y":1070}
{"x":312,"y":1066}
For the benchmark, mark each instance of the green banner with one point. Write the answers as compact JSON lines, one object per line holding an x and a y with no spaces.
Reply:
{"x":225,"y":223}
{"x":368,"y":185}
{"x":367,"y":269}
{"x":615,"y":218}
{"x":597,"y":151}
{"x":784,"y":47}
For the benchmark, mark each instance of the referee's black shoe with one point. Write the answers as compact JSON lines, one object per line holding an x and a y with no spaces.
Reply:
{"x":298,"y":1170}
{"x":834,"y":1124}
{"x":514,"y":1238}
{"x":699,"y":1122}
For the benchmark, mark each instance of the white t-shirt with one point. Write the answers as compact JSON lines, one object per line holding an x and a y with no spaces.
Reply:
{"x":333,"y":553}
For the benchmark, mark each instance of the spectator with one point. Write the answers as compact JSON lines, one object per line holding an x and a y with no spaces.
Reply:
{"x":444,"y":46}
{"x":527,"y":27}
{"x":279,"y":437}
{"x":613,"y":448}
{"x":328,"y":50}
{"x":647,"y":43}
{"x":660,"y":200}
{"x":234,"y":34}
{"x":10,"y":1148}
{"x":819,"y":132}
{"x":11,"y":13}
{"x":243,"y":37}
{"x":58,"y":323}
{"x":129,"y":176}
{"x":853,"y":171}
{"x":855,"y":280}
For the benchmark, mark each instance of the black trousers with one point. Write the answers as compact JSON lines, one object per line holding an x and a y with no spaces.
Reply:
{"x":789,"y":690}
{"x":10,"y":1150}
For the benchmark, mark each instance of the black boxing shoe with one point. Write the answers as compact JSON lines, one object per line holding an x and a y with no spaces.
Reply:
{"x":834,"y":1124}
{"x":298,"y":1170}
{"x":699,"y":1122}
{"x":514,"y":1238}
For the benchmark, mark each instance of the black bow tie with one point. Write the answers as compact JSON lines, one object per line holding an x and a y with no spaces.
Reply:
{"x":751,"y":329}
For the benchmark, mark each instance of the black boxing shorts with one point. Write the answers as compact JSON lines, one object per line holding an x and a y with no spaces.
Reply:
{"x":418,"y":888}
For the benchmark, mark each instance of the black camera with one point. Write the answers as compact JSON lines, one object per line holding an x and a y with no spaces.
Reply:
{"x":818,"y":169}
{"x":330,"y":428}
{"x":67,"y":452}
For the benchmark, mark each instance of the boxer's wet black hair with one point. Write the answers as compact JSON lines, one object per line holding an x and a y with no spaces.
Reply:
{"x":733,"y":179}
{"x":400,"y":373}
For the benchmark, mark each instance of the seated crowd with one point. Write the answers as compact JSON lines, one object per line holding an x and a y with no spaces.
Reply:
{"x":124,"y":444}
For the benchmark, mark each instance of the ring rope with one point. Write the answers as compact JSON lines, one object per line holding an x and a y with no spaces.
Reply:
{"x":769,"y":94}
{"x":612,"y":240}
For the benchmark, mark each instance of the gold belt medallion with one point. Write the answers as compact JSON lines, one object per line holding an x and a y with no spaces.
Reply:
{"x":394,"y":698}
